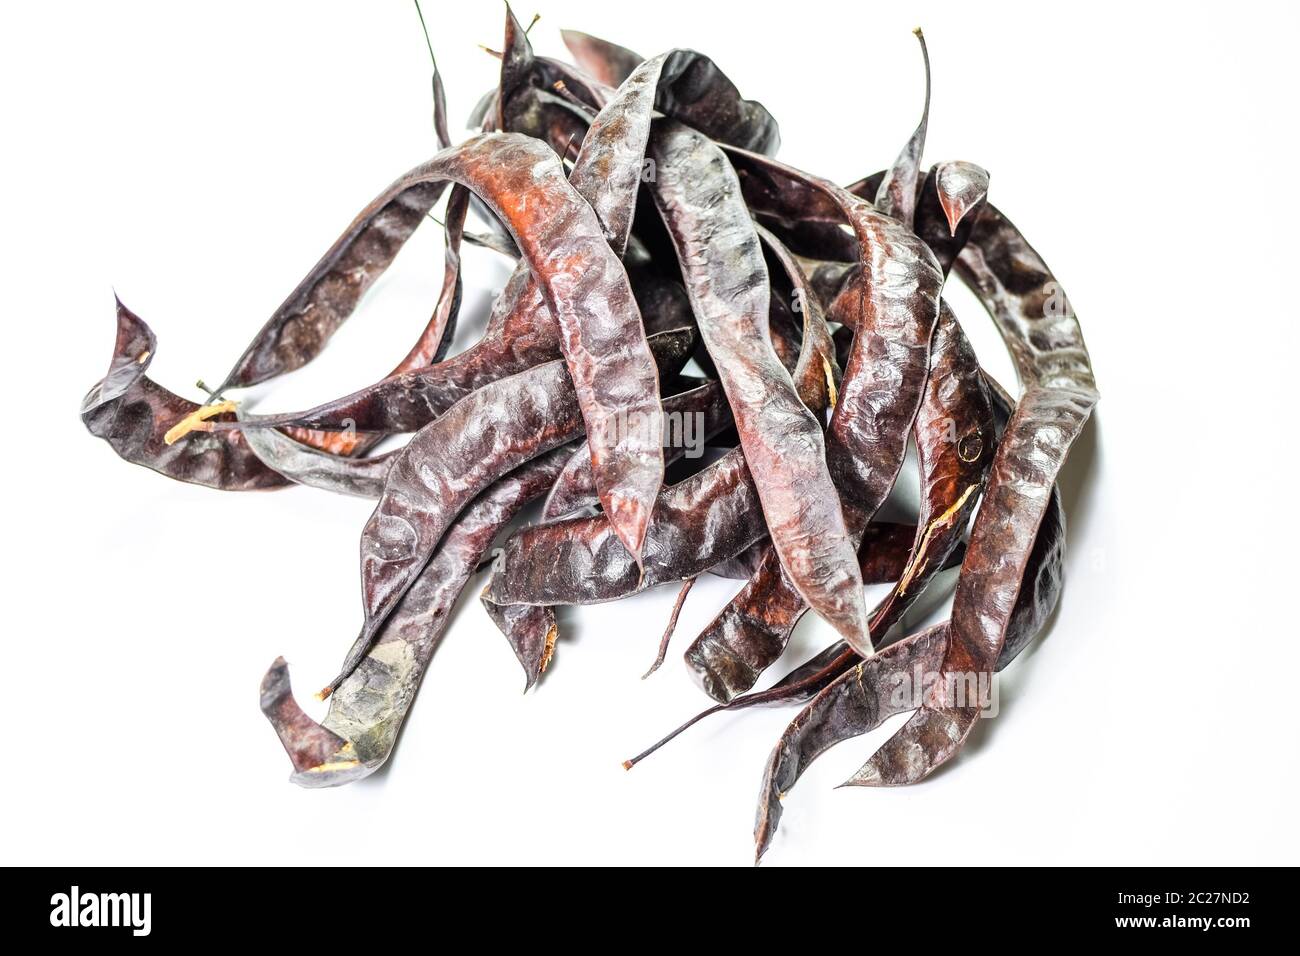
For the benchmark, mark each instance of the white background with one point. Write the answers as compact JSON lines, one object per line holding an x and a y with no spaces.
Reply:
{"x":199,"y":158}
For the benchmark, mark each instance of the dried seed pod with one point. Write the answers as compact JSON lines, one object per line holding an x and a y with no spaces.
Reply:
{"x":432,"y":345}
{"x":609,"y":167}
{"x":726,"y":278}
{"x":1039,"y":326}
{"x":521,"y":334}
{"x":133,"y":414}
{"x":300,"y":327}
{"x":368,"y":708}
{"x":856,"y":703}
{"x":434,"y":342}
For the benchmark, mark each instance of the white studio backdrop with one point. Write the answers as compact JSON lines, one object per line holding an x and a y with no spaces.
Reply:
{"x":198,"y":159}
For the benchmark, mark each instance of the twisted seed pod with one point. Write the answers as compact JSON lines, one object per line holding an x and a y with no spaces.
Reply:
{"x":134,"y":415}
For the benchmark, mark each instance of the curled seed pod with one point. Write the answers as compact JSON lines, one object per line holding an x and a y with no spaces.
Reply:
{"x":591,"y":298}
{"x":300,"y":327}
{"x":431,"y":347}
{"x":856,"y":703}
{"x":367,"y":709}
{"x":520,"y":335}
{"x":134,"y":415}
{"x":311,"y":747}
{"x":297,"y":333}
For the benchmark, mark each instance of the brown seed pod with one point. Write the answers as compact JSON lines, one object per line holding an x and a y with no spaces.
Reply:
{"x":134,"y":415}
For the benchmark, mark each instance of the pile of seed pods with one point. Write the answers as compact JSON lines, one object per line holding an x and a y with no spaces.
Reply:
{"x":670,"y":276}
